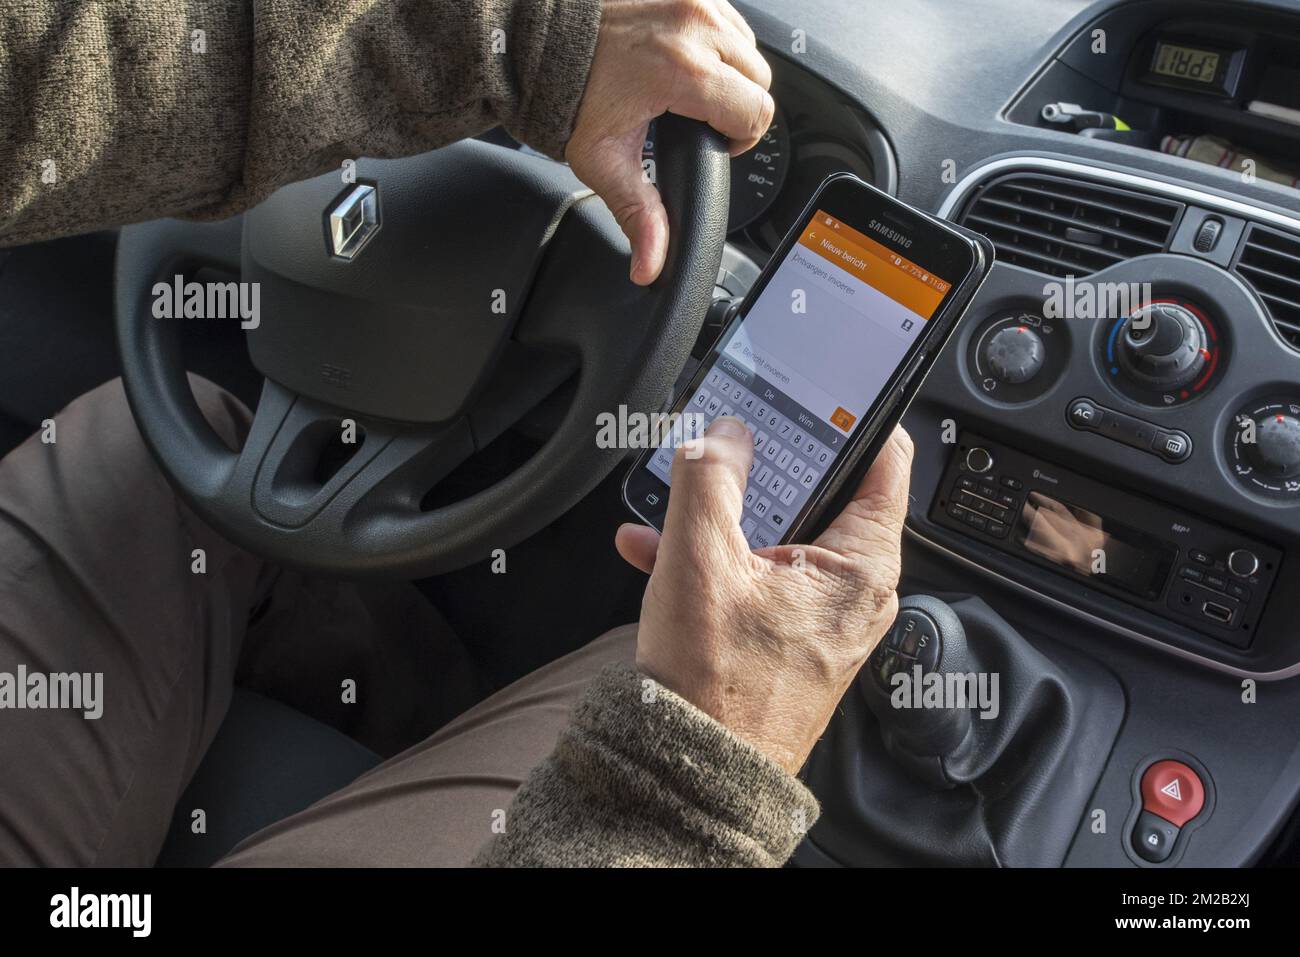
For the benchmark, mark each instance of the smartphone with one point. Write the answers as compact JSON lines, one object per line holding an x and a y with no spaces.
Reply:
{"x":823,"y":356}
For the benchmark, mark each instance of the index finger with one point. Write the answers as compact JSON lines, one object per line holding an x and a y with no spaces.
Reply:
{"x":875,"y":515}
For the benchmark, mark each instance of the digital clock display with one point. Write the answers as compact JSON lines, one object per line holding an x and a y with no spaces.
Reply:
{"x":1186,"y":63}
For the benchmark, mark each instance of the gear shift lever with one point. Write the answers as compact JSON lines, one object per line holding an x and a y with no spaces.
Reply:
{"x":1005,"y":779}
{"x":927,"y":638}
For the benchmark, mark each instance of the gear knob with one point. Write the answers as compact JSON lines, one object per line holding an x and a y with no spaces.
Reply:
{"x":904,"y":685}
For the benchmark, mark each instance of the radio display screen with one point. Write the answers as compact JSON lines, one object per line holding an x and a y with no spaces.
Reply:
{"x":1094,"y":547}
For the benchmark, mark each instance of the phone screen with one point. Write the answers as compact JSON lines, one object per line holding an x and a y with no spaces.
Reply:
{"x":806,"y":364}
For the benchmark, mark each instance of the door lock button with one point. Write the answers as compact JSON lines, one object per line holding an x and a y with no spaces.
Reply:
{"x":1153,"y":838}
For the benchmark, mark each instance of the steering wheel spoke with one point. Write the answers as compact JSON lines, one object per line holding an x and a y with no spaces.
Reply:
{"x":306,"y":463}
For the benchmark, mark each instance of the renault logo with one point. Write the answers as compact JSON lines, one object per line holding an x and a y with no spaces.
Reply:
{"x":353,"y":220}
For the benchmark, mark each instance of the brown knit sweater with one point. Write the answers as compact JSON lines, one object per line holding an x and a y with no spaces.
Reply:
{"x":642,"y":777}
{"x":115,"y":111}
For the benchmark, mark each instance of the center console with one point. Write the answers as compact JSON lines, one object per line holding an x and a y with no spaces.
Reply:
{"x":1115,"y":428}
{"x":1119,"y":481}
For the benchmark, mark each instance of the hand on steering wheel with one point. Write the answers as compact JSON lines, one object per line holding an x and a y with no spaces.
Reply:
{"x":405,"y":342}
{"x":696,"y":59}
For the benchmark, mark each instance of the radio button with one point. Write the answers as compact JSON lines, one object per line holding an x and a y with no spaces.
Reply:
{"x":979,"y":460}
{"x":1243,"y":562}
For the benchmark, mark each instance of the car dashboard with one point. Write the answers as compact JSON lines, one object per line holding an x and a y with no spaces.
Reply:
{"x":1048,"y":432}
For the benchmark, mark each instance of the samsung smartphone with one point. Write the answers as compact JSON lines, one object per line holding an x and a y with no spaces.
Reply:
{"x":823,"y":356}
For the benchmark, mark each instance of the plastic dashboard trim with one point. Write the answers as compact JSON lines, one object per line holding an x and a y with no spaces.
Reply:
{"x":950,"y":203}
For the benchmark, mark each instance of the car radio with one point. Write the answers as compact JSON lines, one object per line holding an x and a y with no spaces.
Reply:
{"x":1171,"y":563}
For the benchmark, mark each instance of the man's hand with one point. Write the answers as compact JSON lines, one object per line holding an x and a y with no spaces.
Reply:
{"x":696,"y":58}
{"x":766,"y":642}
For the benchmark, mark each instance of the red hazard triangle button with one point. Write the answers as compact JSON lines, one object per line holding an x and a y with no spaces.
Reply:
{"x":1173,"y":791}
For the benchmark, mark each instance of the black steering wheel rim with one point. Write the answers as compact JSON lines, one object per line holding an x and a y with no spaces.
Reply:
{"x":624,"y":344}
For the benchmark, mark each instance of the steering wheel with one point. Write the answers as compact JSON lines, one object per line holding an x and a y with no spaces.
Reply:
{"x":428,"y":306}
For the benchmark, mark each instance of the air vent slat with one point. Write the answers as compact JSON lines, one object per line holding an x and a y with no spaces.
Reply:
{"x":1062,"y":227}
{"x":1269,"y":276}
{"x":1056,"y":266}
{"x":1290,"y":331}
{"x":1281,"y":301}
{"x":1269,"y":262}
{"x":1021,"y":229}
{"x":1157,"y":219}
{"x":1286,"y":258}
{"x":1155,"y":245}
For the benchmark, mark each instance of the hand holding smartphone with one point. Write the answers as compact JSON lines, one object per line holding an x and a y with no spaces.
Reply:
{"x":824,"y":356}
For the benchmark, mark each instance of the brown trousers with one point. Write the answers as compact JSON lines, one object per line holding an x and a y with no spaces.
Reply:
{"x":96,"y":576}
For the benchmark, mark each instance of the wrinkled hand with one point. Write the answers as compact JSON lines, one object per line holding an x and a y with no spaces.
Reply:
{"x":696,"y":58}
{"x":766,"y":642}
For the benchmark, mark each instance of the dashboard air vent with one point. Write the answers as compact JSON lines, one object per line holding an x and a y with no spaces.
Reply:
{"x":1062,"y":227}
{"x":1269,"y":262}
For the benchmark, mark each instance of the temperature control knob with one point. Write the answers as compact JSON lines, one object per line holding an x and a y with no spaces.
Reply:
{"x":1163,"y":346}
{"x":1015,"y":354}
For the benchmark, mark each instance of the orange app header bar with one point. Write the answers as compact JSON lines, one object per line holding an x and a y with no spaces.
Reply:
{"x":877,"y":265}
